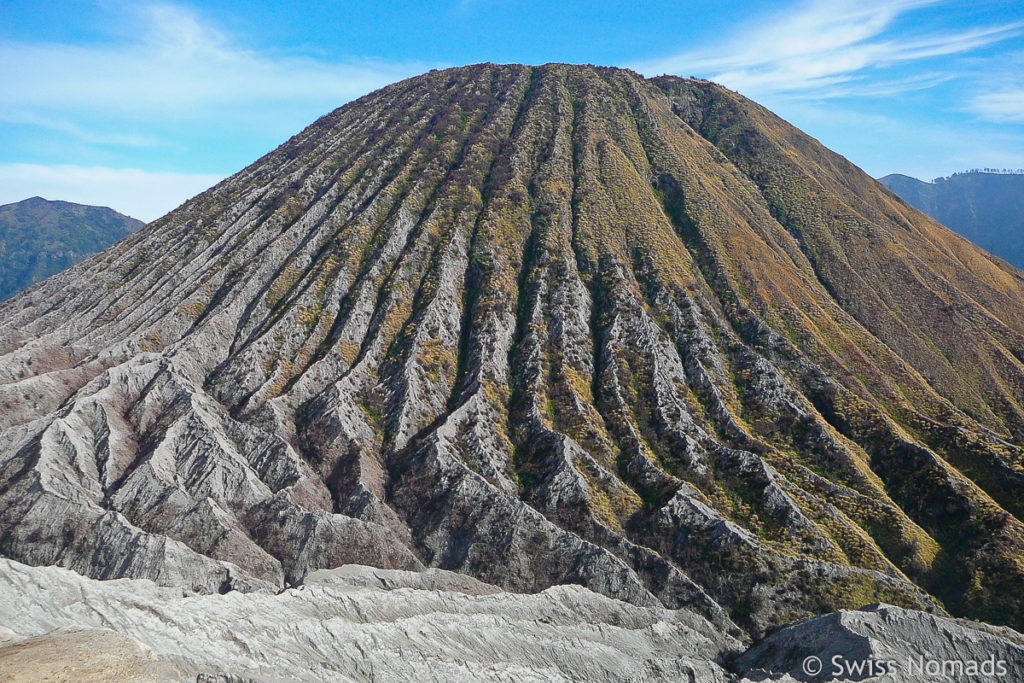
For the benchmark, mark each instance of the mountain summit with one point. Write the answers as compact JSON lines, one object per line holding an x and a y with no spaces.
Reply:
{"x":537,"y":325}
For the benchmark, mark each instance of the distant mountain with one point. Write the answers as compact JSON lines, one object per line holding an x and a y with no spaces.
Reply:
{"x":39,"y":238}
{"x":986,"y":208}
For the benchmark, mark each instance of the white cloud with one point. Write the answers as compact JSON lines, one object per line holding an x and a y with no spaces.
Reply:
{"x":179,"y":66}
{"x":826,"y":48}
{"x":141,"y":194}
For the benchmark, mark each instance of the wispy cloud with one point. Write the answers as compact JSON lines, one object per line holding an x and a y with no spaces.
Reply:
{"x":865,"y":87}
{"x":142,"y":194}
{"x":827,"y":48}
{"x":997,"y":92}
{"x":177,"y":65}
{"x":87,"y":135}
{"x":1006,"y":106}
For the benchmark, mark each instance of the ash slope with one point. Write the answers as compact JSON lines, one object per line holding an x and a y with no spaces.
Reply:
{"x":538,"y":325}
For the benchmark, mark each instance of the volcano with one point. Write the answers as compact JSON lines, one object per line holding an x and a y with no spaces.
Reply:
{"x":539,"y":326}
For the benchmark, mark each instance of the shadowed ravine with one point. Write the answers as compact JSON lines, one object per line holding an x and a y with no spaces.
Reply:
{"x":537,"y":325}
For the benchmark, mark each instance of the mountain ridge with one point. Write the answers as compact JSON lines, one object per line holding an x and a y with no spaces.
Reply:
{"x":538,"y":325}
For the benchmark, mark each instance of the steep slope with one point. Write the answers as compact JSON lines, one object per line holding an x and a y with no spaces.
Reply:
{"x":986,"y":208}
{"x":538,"y":325}
{"x":39,"y":238}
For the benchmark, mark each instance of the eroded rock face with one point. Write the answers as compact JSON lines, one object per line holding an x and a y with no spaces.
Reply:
{"x":540,"y":326}
{"x":360,"y":623}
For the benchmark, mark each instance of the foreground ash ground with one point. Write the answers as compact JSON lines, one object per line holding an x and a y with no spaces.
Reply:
{"x":537,"y":326}
{"x":361,"y":623}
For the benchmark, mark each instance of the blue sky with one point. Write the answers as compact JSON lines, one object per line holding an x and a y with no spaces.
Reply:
{"x":140,"y":105}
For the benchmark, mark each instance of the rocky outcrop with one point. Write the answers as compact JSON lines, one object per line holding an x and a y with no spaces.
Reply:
{"x":882,"y":642}
{"x":540,"y":326}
